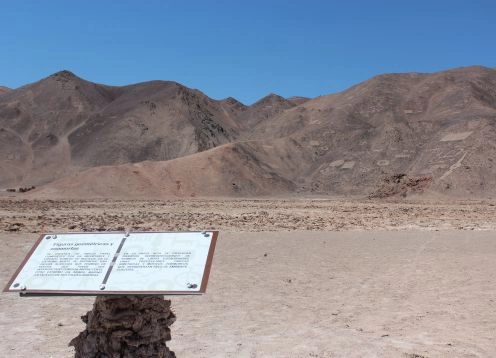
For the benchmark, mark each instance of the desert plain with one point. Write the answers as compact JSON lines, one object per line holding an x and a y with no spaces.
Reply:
{"x":352,"y":224}
{"x":290,"y":277}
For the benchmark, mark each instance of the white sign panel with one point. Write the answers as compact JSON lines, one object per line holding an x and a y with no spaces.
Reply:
{"x":115,"y":263}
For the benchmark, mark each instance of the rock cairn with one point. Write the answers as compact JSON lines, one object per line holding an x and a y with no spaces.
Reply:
{"x":125,"y":327}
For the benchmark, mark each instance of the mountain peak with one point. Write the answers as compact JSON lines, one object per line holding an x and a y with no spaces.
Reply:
{"x":64,"y":73}
{"x":231,"y":101}
{"x":273,"y":96}
{"x":66,"y":76}
{"x":270,"y":98}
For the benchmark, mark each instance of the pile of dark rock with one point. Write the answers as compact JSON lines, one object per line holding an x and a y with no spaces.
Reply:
{"x":22,"y":189}
{"x":401,"y":185}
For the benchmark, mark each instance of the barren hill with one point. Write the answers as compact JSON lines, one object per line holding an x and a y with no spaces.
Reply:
{"x":265,"y":109}
{"x":394,"y":134}
{"x":63,"y":124}
{"x":437,"y":127}
{"x":228,"y":170}
{"x":4,"y":89}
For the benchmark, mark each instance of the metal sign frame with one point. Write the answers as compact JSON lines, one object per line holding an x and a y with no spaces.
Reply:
{"x":44,"y":292}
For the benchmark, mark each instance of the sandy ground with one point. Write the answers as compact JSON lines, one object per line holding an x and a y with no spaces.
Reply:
{"x":415,"y":292}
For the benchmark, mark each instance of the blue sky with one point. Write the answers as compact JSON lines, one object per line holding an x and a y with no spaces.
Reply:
{"x":245,"y":49}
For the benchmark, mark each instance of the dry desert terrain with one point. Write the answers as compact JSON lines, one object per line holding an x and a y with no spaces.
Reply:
{"x":290,"y":278}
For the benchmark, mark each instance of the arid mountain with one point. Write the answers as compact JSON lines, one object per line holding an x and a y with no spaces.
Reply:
{"x":4,"y":90}
{"x":395,"y":134}
{"x":439,"y":126}
{"x":63,"y":124}
{"x":263,"y":110}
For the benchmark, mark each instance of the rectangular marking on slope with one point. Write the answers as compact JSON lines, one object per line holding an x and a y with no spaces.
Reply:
{"x":454,"y":136}
{"x":348,"y":165}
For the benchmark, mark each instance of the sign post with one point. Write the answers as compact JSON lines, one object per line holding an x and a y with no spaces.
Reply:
{"x":129,"y":273}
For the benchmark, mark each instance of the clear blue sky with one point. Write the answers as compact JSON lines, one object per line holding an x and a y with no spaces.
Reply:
{"x":245,"y":49}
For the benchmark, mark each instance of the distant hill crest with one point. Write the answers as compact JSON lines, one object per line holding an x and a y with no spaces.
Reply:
{"x":393,"y":135}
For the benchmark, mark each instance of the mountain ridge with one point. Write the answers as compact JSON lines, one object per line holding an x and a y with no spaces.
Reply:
{"x":438,"y":126}
{"x":4,"y":89}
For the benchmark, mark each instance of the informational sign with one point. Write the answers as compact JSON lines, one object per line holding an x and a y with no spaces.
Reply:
{"x":117,"y":263}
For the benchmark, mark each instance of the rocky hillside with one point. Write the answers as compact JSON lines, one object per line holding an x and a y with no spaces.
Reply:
{"x":440,"y":126}
{"x":63,"y":124}
{"x":395,"y":134}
